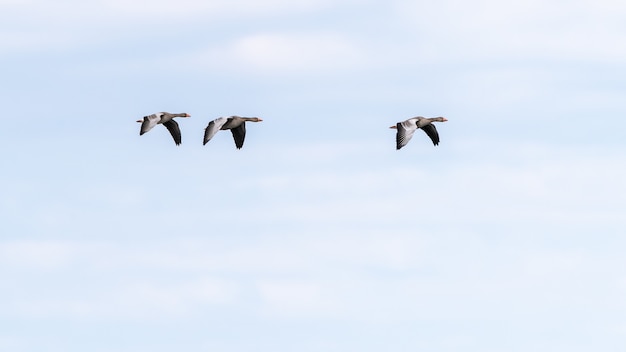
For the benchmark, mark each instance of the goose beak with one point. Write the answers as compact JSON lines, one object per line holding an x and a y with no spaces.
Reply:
{"x":444,"y":119}
{"x":139,"y":120}
{"x":187,"y":115}
{"x":394,"y":127}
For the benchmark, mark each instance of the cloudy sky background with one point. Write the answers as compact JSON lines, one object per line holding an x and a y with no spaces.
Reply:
{"x":318,"y":235}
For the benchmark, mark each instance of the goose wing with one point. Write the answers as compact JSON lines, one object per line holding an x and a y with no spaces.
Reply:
{"x":172,"y":126}
{"x":431,"y":131}
{"x":405,"y":133}
{"x":213,"y":127}
{"x":149,"y":122}
{"x":239,"y":134}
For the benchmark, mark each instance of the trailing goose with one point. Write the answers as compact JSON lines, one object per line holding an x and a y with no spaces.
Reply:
{"x":166,"y":119}
{"x":236,"y":125}
{"x":407,"y":128}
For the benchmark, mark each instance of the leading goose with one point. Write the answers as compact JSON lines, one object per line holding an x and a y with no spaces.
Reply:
{"x":407,"y":128}
{"x":167,"y":120}
{"x":236,"y":125}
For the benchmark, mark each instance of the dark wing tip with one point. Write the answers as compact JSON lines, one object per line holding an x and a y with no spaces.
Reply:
{"x":431,"y":131}
{"x":239,"y":135}
{"x":205,"y":140}
{"x":172,"y":126}
{"x":399,"y":139}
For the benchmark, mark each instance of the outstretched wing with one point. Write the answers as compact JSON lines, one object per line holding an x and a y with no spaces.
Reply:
{"x":431,"y":131}
{"x":172,"y":126}
{"x":405,"y":133}
{"x":149,"y":122}
{"x":212,"y":128}
{"x":239,"y":134}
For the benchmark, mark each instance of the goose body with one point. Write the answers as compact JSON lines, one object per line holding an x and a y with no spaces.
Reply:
{"x":236,"y":125}
{"x":406,"y":128}
{"x":166,"y":119}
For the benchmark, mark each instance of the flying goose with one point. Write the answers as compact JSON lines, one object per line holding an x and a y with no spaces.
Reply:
{"x":164,"y":118}
{"x":236,"y":125}
{"x":407,"y":128}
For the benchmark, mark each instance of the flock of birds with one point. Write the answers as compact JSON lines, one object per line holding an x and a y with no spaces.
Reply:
{"x":237,"y":126}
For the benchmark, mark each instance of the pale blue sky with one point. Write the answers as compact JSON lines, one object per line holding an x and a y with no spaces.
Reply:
{"x":318,"y":235}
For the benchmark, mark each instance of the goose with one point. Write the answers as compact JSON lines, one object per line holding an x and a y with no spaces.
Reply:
{"x":407,"y":128}
{"x":236,"y":125}
{"x":167,"y":120}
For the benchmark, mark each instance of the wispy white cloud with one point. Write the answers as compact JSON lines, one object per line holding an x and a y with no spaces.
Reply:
{"x":537,"y":183}
{"x":455,"y":30}
{"x":139,"y":301}
{"x":279,"y":53}
{"x":100,"y":11}
{"x":378,"y":277}
{"x":44,"y":255}
{"x":178,"y":10}
{"x":299,"y":52}
{"x":41,"y":26}
{"x":264,"y":270}
{"x":446,"y":31}
{"x":289,"y":298}
{"x":144,"y":299}
{"x":32,"y":41}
